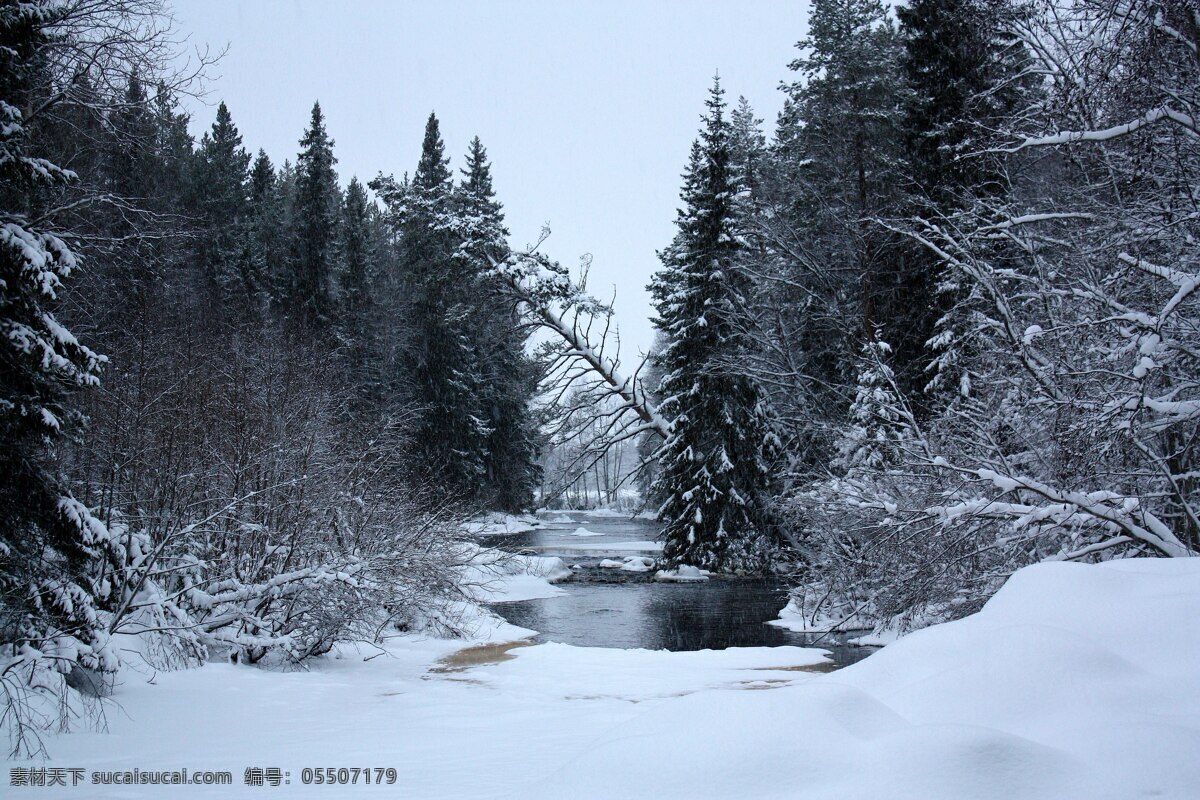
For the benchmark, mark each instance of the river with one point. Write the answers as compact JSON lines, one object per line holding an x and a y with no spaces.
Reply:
{"x":614,"y":608}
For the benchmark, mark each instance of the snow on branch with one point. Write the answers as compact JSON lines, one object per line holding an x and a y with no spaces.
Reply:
{"x":1151,"y":117}
{"x":1112,"y":511}
{"x":561,"y":307}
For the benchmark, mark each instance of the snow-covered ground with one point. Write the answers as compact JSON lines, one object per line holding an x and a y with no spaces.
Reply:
{"x":1075,"y":681}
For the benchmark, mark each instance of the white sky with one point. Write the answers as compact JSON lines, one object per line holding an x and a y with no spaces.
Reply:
{"x":587,"y":110}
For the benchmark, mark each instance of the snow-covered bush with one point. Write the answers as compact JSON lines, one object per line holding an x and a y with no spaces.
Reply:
{"x":1072,"y":431}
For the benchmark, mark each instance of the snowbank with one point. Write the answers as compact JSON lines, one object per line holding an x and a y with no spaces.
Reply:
{"x":494,"y":576}
{"x":497,"y":524}
{"x":604,"y":512}
{"x":1075,"y":682}
{"x":584,"y":532}
{"x":795,"y":619}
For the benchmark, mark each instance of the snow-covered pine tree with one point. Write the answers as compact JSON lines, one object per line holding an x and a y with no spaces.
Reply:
{"x":48,"y":540}
{"x":509,"y":377}
{"x":966,"y":74}
{"x":317,"y":201}
{"x":440,"y":366}
{"x":713,"y":469}
{"x":878,"y":421}
{"x":833,"y":169}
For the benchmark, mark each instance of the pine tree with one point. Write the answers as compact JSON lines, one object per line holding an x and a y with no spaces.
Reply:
{"x":358,"y":324}
{"x":48,"y":540}
{"x":316,"y":205}
{"x":509,"y":380}
{"x":840,"y":143}
{"x":441,"y":365}
{"x":878,"y":423}
{"x":265,"y":234}
{"x":964,"y":77}
{"x":713,"y":466}
{"x":225,"y":260}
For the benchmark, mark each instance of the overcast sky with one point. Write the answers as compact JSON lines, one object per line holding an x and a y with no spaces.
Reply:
{"x":587,"y":110}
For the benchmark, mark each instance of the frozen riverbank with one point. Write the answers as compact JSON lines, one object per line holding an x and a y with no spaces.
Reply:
{"x":1074,"y":682}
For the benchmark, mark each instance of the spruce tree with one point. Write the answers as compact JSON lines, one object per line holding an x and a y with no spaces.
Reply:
{"x":441,"y":364}
{"x":878,"y":423}
{"x":358,"y":278}
{"x":713,"y":467}
{"x":173,"y":145}
{"x":132,"y":145}
{"x":266,"y":235}
{"x":48,"y":540}
{"x":747,"y":156}
{"x":357,"y":251}
{"x":225,"y":261}
{"x":835,"y":170}
{"x":315,"y":218}
{"x":964,"y":77}
{"x":128,"y":276}
{"x":509,"y":380}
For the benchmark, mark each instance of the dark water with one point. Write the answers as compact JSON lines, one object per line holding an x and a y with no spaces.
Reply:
{"x":612,"y":608}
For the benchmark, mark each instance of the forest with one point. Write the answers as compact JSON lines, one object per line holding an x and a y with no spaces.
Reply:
{"x":937,"y":323}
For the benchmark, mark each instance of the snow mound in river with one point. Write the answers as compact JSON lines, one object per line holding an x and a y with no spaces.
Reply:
{"x":682,"y":574}
{"x":629,"y":564}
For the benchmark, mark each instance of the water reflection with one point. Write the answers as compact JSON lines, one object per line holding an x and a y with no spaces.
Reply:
{"x":657,"y":616}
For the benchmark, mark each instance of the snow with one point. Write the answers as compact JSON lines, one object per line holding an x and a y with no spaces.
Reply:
{"x":684,"y":573}
{"x":1075,"y":682}
{"x":629,"y":564}
{"x":793,"y":618}
{"x":494,"y":576}
{"x":604,"y":512}
{"x":645,"y":545}
{"x":584,"y":532}
{"x":876,"y":639}
{"x":496,"y":524}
